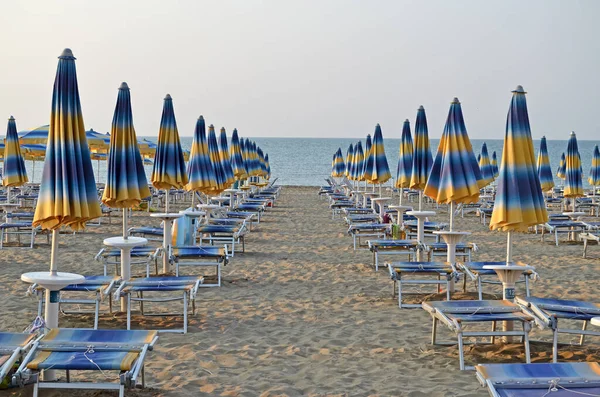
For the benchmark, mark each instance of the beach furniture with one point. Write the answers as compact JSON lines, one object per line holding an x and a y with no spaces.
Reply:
{"x":570,"y":228}
{"x":421,"y":273}
{"x":457,"y":315}
{"x":149,"y":233}
{"x":100,"y":287}
{"x":550,"y":310}
{"x":226,"y":234}
{"x":205,"y":256}
{"x":463,"y":250}
{"x":586,"y":238}
{"x":430,"y":227}
{"x":393,"y":247}
{"x":19,"y":229}
{"x":540,"y":379}
{"x":362,"y":230}
{"x":163,"y":290}
{"x":476,"y":272}
{"x":13,"y":347}
{"x":143,"y":255}
{"x":361,"y":218}
{"x":87,"y":350}
{"x":256,"y":209}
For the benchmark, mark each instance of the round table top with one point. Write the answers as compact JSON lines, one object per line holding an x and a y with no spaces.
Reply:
{"x":191,"y":212}
{"x":208,"y":206}
{"x":231,"y":190}
{"x":574,"y":214}
{"x":595,"y":321}
{"x":420,"y":213}
{"x":373,"y":194}
{"x":508,"y":267}
{"x":166,"y":216}
{"x":245,"y":188}
{"x":400,"y":207}
{"x":381,"y":199}
{"x":219,"y":198}
{"x":121,"y":242}
{"x":9,"y":205}
{"x":53,"y":282}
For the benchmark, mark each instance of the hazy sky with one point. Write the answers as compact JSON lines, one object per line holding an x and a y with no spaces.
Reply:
{"x":303,"y":68}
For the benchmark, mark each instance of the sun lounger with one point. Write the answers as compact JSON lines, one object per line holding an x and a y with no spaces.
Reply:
{"x":540,"y":379}
{"x":392,"y":247}
{"x":475,"y":272}
{"x":457,"y":315}
{"x":361,"y":218}
{"x":87,"y":350}
{"x":13,"y":347}
{"x":549,"y":311}
{"x":200,"y":256}
{"x":361,"y":230}
{"x":587,"y":237}
{"x":227,"y":234}
{"x":430,"y":227}
{"x":99,"y":286}
{"x":570,"y":228}
{"x":139,"y":256}
{"x":135,"y":289}
{"x":357,"y":210}
{"x":421,"y":273}
{"x":257,"y":209}
{"x":18,"y":229}
{"x":462,"y":250}
{"x":149,"y":233}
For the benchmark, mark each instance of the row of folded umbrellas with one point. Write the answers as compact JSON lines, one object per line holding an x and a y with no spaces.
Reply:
{"x":415,"y":162}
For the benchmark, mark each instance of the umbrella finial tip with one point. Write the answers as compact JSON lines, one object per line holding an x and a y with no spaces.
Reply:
{"x":519,"y":89}
{"x":201,"y":118}
{"x":406,"y":121}
{"x":572,"y":132}
{"x":168,"y":97}
{"x":455,"y":100}
{"x":67,"y":54}
{"x":11,"y":118}
{"x":124,"y":86}
{"x":421,"y":107}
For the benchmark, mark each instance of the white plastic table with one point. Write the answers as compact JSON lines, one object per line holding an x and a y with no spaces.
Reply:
{"x":125,"y":245}
{"x":167,"y":223}
{"x":208,"y":208}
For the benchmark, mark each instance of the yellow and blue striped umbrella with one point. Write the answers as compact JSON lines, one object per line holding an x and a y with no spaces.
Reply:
{"x":377,"y":171}
{"x":36,"y":136}
{"x":213,"y":153}
{"x":455,"y":176}
{"x":573,"y":174}
{"x":169,"y":166}
{"x":14,"y":173}
{"x":405,"y":157}
{"x":422,"y":158}
{"x":594,"y":178}
{"x":357,"y":162}
{"x":494,"y":163}
{"x":200,"y":169}
{"x":98,"y":143}
{"x":261,"y":161}
{"x":2,"y":152}
{"x":349,"y":158}
{"x":225,"y":159}
{"x":366,"y":154}
{"x":338,"y":166}
{"x":487,"y":172}
{"x":544,"y":169}
{"x":519,"y":198}
{"x":252,"y":158}
{"x":560,"y":171}
{"x":268,"y":165}
{"x":68,"y":195}
{"x":126,"y":184}
{"x":237,"y":161}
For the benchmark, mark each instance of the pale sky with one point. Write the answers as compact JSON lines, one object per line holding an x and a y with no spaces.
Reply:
{"x":303,"y":68}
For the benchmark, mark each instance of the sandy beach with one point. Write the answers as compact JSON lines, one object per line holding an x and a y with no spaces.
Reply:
{"x":301,"y":313}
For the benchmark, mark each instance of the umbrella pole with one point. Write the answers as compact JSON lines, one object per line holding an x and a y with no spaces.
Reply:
{"x":193,"y":199}
{"x":420,"y":200}
{"x":167,"y":191}
{"x":379,"y":189}
{"x":8,"y":195}
{"x":452,"y":216}
{"x":125,"y":227}
{"x":401,"y":190}
{"x":33,"y":172}
{"x":509,"y":247}
{"x":52,"y":298}
{"x":98,"y":172}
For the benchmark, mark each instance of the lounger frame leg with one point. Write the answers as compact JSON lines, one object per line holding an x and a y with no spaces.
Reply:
{"x":461,"y":353}
{"x":582,"y":337}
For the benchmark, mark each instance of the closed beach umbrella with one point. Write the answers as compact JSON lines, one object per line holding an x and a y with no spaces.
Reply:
{"x":200,"y":169}
{"x":213,"y":153}
{"x":14,"y":173}
{"x":126,"y":184}
{"x":544,"y":169}
{"x":268,"y":165}
{"x":405,"y":159}
{"x":455,"y":176}
{"x":519,"y":199}
{"x":263,"y":164}
{"x":573,"y":174}
{"x":422,"y":159}
{"x":36,"y":136}
{"x":225,"y":159}
{"x":357,"y":162}
{"x":594,"y":178}
{"x":237,"y":161}
{"x":2,"y":146}
{"x":494,"y":163}
{"x":377,"y":171}
{"x":560,"y":171}
{"x":68,"y":195}
{"x":366,"y":154}
{"x":487,"y":172}
{"x":169,"y":165}
{"x":349,"y":159}
{"x":338,"y":164}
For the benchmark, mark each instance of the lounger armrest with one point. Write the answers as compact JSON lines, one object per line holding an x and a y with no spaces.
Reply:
{"x":98,"y":256}
{"x":541,"y":318}
{"x":465,"y":269}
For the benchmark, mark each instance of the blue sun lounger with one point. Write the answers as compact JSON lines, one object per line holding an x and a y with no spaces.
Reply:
{"x":540,"y":379}
{"x":430,"y":227}
{"x":13,"y":347}
{"x":232,"y":234}
{"x":134,"y":289}
{"x":149,"y":233}
{"x":550,"y":310}
{"x":392,"y":247}
{"x":71,"y":349}
{"x":139,"y":256}
{"x":570,"y":228}
{"x":206,"y":256}
{"x":475,"y":271}
{"x":352,"y":219}
{"x":463,"y":250}
{"x":361,"y":230}
{"x":457,"y":315}
{"x":19,"y":229}
{"x":421,"y":273}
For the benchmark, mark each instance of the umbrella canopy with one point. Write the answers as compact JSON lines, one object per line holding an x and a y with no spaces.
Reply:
{"x":200,"y":168}
{"x":147,"y":148}
{"x":377,"y":171}
{"x":519,"y":198}
{"x":422,"y":158}
{"x":543,"y":167}
{"x":268,"y":165}
{"x":37,"y":136}
{"x":560,"y":171}
{"x":261,"y":160}
{"x":169,"y":165}
{"x":252,"y":159}
{"x":594,"y":178}
{"x":455,"y":176}
{"x":126,"y":183}
{"x":573,"y":174}
{"x":98,"y":143}
{"x":225,"y":159}
{"x":494,"y":163}
{"x":338,"y":166}
{"x":2,"y":146}
{"x":366,"y":154}
{"x":405,"y":157}
{"x":357,"y":161}
{"x":14,"y":173}
{"x":35,"y":152}
{"x":68,"y":195}
{"x":349,"y":158}
{"x":213,"y":153}
{"x":487,"y":172}
{"x":237,"y":161}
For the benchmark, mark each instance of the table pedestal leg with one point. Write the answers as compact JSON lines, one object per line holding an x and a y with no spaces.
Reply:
{"x":166,"y":245}
{"x":51,"y":319}
{"x":125,"y":271}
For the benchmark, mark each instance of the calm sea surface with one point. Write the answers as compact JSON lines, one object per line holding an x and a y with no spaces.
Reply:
{"x":307,"y":161}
